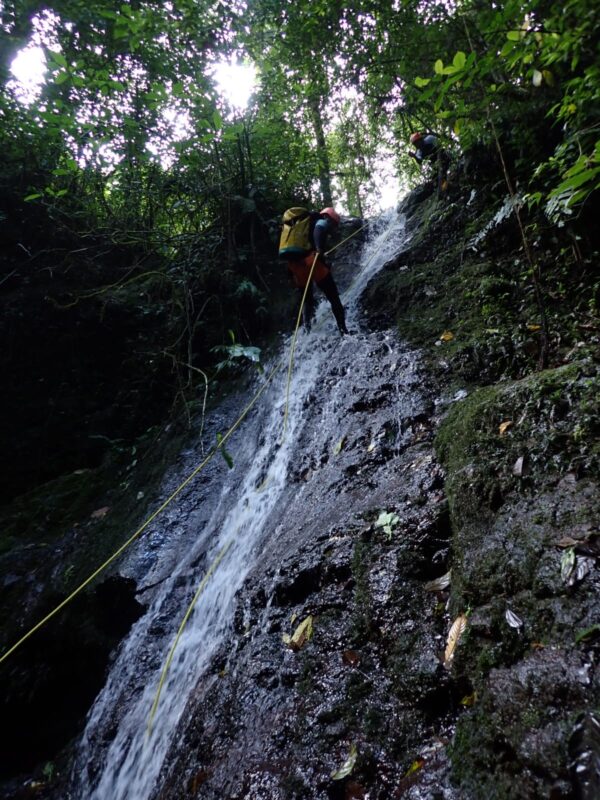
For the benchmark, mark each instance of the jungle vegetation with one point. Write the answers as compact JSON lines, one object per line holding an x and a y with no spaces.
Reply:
{"x":136,"y":201}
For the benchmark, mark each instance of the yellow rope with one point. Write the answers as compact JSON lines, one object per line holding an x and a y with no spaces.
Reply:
{"x":339,"y":244}
{"x":222,"y":553}
{"x":186,"y":616}
{"x":143,"y":527}
{"x":293,"y":347}
{"x":298,"y":322}
{"x":178,"y":490}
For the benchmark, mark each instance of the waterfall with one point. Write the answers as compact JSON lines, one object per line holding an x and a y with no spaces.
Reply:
{"x":116,"y":759}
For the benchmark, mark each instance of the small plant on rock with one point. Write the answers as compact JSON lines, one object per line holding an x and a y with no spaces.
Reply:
{"x":388,"y":521}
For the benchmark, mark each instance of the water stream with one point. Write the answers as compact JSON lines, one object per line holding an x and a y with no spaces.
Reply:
{"x":116,"y":758}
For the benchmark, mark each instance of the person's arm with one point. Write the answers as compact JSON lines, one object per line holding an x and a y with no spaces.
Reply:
{"x":418,"y":156}
{"x":320,"y":234}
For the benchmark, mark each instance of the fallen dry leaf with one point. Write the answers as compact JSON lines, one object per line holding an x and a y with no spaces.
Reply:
{"x":351,"y":657}
{"x":534,"y":327}
{"x":439,"y":584}
{"x":447,"y":336}
{"x":100,"y":512}
{"x":339,"y":446}
{"x":301,"y":635}
{"x":567,"y":564}
{"x":568,"y":541}
{"x":469,"y":700}
{"x":415,"y":767}
{"x":347,"y":766}
{"x":459,"y":626}
{"x":512,"y":619}
{"x":519,"y":466}
{"x":504,"y":426}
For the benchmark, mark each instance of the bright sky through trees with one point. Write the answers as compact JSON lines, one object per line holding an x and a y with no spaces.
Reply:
{"x":29,"y":69}
{"x":235,"y":83}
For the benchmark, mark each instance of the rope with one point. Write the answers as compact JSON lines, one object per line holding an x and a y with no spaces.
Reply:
{"x":339,"y":244}
{"x":186,"y":616}
{"x":293,"y":347}
{"x":143,"y":527}
{"x":222,"y":553}
{"x":170,"y":499}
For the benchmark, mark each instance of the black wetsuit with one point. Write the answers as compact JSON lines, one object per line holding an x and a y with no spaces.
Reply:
{"x":324,"y":281}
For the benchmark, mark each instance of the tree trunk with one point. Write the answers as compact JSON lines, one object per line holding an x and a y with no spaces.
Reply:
{"x":322,"y":154}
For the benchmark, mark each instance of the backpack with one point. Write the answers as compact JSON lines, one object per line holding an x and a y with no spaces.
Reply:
{"x":296,"y":238}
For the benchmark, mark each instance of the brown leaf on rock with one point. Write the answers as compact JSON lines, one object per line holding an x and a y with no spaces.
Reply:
{"x":587,"y":544}
{"x":568,"y":541}
{"x":99,"y":513}
{"x":351,"y":658}
{"x":301,"y":635}
{"x":459,"y":626}
{"x":439,"y":584}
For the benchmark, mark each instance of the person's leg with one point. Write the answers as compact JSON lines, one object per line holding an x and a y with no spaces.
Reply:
{"x":300,"y":270}
{"x":308,"y":309}
{"x":328,"y":287}
{"x":443,"y":163}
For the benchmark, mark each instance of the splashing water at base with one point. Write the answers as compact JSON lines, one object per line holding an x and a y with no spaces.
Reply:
{"x":117,"y":760}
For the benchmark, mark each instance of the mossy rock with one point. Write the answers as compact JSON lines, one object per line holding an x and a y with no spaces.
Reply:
{"x":522,"y":467}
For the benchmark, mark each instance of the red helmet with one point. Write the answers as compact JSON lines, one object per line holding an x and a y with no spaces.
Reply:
{"x":332,"y":214}
{"x":414,"y":137}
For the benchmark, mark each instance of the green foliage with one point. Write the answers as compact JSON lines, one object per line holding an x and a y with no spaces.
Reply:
{"x":535,"y":66}
{"x":129,"y":156}
{"x":387,"y":520}
{"x":226,"y":456}
{"x":235,"y":353}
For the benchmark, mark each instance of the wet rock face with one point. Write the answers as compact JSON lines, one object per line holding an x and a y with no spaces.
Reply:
{"x":276,"y":720}
{"x":519,"y":529}
{"x":525,"y":561}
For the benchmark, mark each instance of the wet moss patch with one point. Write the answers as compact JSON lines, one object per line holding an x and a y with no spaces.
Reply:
{"x":522,"y":479}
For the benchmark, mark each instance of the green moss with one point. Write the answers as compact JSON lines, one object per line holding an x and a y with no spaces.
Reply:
{"x":45,"y":512}
{"x":474,"y":751}
{"x":540,"y":429}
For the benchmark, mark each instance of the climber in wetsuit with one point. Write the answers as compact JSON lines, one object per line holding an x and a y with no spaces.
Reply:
{"x":300,"y":269}
{"x":428,"y":148}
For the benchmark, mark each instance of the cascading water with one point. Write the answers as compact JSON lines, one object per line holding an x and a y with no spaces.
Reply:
{"x":117,"y":759}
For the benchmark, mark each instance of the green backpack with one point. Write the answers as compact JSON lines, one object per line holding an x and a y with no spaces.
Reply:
{"x":296,"y":236}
